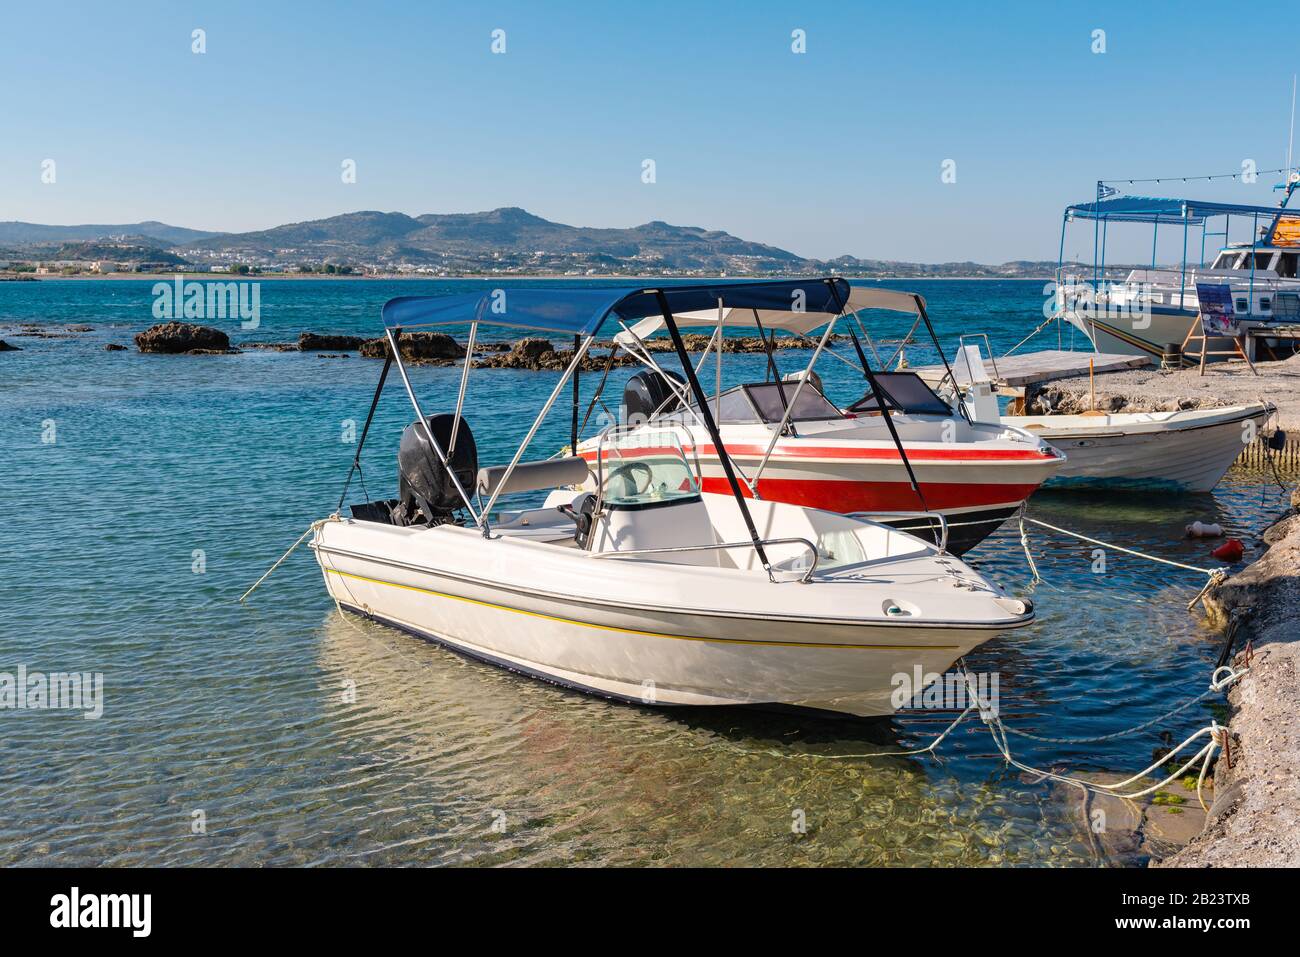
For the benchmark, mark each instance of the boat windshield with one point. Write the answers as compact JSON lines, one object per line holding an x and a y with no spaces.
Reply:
{"x":905,"y":392}
{"x":646,"y":468}
{"x":767,"y":402}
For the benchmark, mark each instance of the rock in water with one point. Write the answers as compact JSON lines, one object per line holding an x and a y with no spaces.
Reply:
{"x":174,"y":338}
{"x":6,"y":347}
{"x":114,"y":347}
{"x":532,"y":353}
{"x":531,"y":350}
{"x":429,"y":347}
{"x":316,"y":342}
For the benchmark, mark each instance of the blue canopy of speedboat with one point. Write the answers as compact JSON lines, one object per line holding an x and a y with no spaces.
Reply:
{"x":583,"y":310}
{"x":1153,"y":209}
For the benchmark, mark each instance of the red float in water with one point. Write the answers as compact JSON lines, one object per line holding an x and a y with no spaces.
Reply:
{"x":1230,"y":551}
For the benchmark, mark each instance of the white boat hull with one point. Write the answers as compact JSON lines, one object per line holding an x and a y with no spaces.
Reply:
{"x":1149,"y":335}
{"x":527,"y":606}
{"x":1188,"y":451}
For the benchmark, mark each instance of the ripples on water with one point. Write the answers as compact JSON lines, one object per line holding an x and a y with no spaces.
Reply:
{"x":240,"y":711}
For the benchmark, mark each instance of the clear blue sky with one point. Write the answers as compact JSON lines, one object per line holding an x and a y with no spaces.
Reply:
{"x":834,"y":151}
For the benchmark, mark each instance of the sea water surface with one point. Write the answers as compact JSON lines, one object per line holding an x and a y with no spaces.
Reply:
{"x":143,"y":494}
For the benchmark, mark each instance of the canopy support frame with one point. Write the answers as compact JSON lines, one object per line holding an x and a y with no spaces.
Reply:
{"x":780,"y":430}
{"x":365,"y":430}
{"x":464,"y":381}
{"x":724,"y":458}
{"x":428,"y":433}
{"x":578,"y":355}
{"x":884,"y":409}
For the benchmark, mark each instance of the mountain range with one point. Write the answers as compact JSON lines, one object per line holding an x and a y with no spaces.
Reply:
{"x":506,"y":240}
{"x":14,"y":233}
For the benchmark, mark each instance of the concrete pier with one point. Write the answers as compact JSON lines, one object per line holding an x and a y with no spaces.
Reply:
{"x":1149,"y":390}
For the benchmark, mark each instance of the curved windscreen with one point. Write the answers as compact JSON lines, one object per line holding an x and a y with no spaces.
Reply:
{"x":767,"y":402}
{"x":645,"y":468}
{"x":903,"y":392}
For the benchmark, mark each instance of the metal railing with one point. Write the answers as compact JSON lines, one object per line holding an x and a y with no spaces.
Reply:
{"x":883,"y":517}
{"x":1170,"y":287}
{"x":988,"y":347}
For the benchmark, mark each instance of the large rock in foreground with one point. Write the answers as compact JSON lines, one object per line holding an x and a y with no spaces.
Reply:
{"x":174,"y":338}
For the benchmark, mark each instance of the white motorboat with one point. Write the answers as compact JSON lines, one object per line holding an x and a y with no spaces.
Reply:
{"x":1154,"y":308}
{"x":789,"y":443}
{"x":1187,"y":451}
{"x":646,"y":589}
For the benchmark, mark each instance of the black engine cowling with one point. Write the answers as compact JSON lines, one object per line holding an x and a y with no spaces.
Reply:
{"x":648,"y":392}
{"x":425,"y":488}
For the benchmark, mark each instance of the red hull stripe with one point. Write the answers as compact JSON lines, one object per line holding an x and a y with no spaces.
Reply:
{"x":791,"y":451}
{"x":879,"y":496}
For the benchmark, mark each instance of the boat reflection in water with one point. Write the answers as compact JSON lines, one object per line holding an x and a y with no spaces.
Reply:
{"x":457,"y":762}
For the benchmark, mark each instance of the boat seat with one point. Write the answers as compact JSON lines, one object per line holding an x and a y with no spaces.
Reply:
{"x":536,"y":524}
{"x":534,"y":476}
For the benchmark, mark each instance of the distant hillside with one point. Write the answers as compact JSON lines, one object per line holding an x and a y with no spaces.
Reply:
{"x":131,"y":249}
{"x":13,"y":233}
{"x":507,"y":241}
{"x":510,"y":235}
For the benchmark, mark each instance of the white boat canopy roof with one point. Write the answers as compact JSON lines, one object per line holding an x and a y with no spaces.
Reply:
{"x":860,"y":298}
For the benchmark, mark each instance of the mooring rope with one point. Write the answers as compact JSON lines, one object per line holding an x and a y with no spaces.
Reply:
{"x":279,"y":561}
{"x":1214,"y":576}
{"x":1128,"y":551}
{"x":1024,"y":543}
{"x":999,"y":732}
{"x":1217,"y":686}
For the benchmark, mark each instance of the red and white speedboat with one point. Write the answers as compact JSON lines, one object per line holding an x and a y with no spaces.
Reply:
{"x":789,"y":443}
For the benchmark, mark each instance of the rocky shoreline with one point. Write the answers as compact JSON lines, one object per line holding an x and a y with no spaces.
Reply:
{"x":1255,"y":818}
{"x":417,"y":348}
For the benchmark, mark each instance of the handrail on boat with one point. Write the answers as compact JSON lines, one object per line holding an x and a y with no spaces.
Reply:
{"x":988,"y":346}
{"x":807,"y":576}
{"x":882,"y":516}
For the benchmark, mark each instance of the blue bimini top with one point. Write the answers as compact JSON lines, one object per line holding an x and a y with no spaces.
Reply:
{"x":584,"y":310}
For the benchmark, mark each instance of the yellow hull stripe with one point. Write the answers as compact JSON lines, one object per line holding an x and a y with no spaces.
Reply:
{"x":633,"y":631}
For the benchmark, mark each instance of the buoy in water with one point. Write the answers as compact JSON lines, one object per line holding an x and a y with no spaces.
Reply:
{"x":1204,"y":530}
{"x":1230,"y":551}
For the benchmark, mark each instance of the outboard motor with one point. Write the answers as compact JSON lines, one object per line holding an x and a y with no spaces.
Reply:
{"x":427,"y":494}
{"x":648,"y":392}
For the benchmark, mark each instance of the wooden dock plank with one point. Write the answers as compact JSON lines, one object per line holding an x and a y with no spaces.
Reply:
{"x":1035,"y":368}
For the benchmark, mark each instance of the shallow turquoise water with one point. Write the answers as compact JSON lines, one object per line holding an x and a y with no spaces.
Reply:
{"x":239,"y":712}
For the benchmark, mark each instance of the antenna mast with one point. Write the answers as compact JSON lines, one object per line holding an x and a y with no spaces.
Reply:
{"x":1291,"y":141}
{"x":1292,"y":177}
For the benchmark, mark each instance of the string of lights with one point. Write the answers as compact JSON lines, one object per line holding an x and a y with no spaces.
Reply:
{"x":1189,"y":179}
